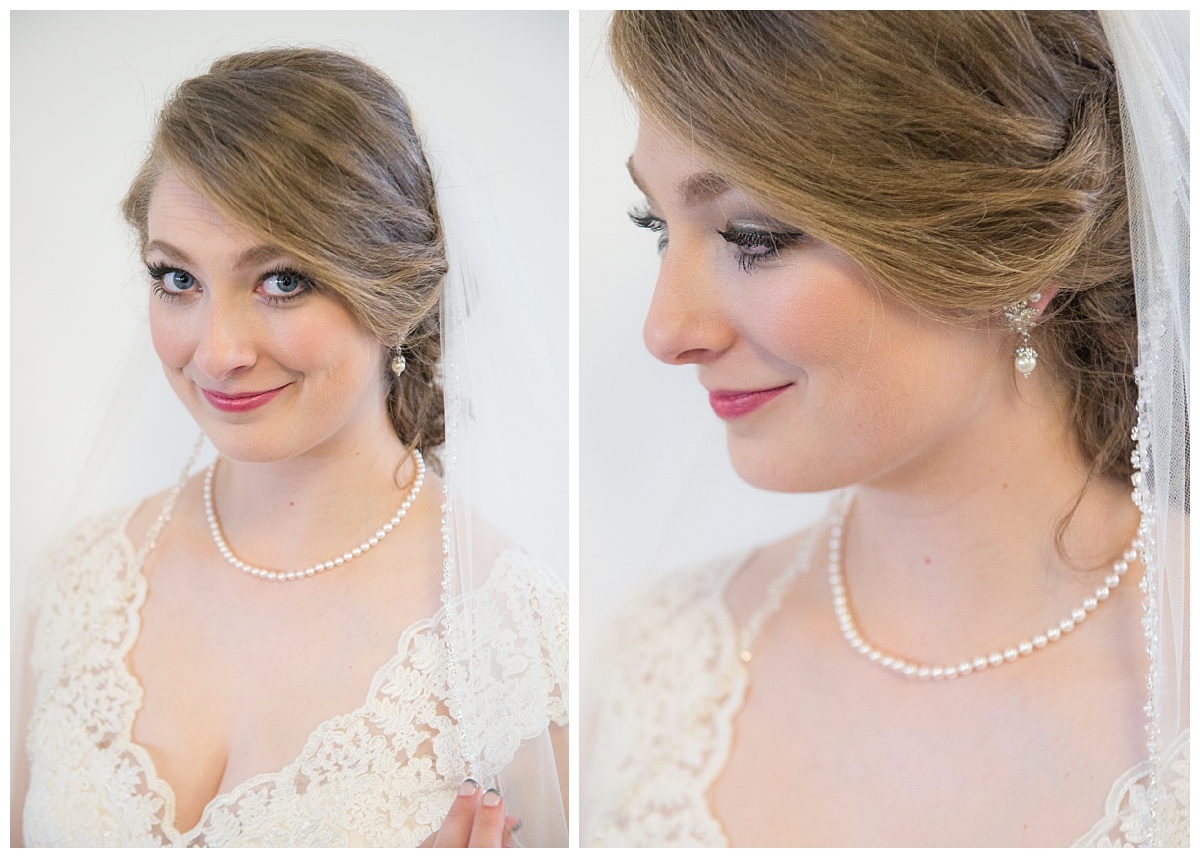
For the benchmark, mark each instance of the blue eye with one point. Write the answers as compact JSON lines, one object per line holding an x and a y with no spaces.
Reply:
{"x":171,"y":282}
{"x":285,"y":284}
{"x":178,"y":281}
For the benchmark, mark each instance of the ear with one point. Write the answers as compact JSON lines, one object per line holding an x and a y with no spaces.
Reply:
{"x":1045,"y":296}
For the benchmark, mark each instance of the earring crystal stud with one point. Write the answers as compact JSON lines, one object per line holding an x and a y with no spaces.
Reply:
{"x":1021,"y":318}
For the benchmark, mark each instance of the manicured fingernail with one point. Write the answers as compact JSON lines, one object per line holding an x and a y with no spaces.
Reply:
{"x":515,"y":827}
{"x":469,"y":786}
{"x":491,"y":798}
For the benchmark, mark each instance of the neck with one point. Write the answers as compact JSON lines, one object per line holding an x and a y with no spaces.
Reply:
{"x":293,"y":512}
{"x":965,"y":552}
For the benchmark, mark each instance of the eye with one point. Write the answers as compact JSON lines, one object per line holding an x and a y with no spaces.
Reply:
{"x":285,"y":284}
{"x":755,"y":245}
{"x":642,"y":218}
{"x":170,"y":282}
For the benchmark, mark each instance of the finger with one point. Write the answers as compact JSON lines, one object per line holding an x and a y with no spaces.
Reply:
{"x":456,"y":827}
{"x":488,"y":829}
{"x":511,"y":826}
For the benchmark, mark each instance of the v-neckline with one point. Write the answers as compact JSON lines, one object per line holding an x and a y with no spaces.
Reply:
{"x":132,"y":707}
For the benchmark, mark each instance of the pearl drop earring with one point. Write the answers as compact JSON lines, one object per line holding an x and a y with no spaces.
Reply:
{"x":1020,"y":319}
{"x":398,"y":363}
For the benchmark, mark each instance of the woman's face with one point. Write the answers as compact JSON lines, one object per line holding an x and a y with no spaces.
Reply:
{"x":822,"y":378}
{"x":268,"y":365}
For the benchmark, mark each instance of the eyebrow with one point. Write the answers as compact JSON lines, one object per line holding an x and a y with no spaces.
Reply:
{"x":696,"y":188}
{"x":248,"y":258}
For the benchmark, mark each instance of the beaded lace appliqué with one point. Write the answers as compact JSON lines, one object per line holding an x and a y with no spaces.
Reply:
{"x":383,"y":774}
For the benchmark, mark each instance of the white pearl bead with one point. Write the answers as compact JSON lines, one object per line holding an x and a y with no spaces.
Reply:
{"x":1026,"y":364}
{"x":841,"y":603}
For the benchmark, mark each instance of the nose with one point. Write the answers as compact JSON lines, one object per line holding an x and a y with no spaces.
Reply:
{"x":686,"y":322}
{"x":227,"y":336}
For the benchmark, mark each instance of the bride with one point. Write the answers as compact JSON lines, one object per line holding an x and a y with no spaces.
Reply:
{"x":321,"y":638}
{"x":899,"y":251}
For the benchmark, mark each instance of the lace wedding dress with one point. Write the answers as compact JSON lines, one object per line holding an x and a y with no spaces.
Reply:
{"x":673,"y":686}
{"x":384,"y":774}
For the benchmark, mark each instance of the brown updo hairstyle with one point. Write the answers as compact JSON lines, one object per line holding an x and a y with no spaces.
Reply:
{"x":965,"y":159}
{"x":316,"y":152}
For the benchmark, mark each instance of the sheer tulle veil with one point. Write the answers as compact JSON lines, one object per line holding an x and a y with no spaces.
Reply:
{"x":1151,"y":54}
{"x":504,"y":369}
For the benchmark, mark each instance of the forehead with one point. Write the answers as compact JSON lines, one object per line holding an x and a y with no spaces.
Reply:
{"x":179,"y":211}
{"x":662,"y":165}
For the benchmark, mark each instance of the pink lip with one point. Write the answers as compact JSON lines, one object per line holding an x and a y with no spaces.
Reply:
{"x":732,"y":404}
{"x":237,"y":402}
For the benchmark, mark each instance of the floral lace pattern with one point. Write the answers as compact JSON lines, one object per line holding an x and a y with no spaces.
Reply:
{"x":384,"y":774}
{"x":672,"y":688}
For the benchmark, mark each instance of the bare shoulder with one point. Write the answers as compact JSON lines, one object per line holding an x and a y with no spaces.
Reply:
{"x":146,"y":513}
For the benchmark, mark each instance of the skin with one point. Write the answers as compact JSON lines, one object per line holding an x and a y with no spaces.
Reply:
{"x":305,"y":476}
{"x":963,"y":470}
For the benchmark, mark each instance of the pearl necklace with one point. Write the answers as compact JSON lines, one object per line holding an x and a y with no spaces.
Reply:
{"x":915,"y":670}
{"x":214,"y":527}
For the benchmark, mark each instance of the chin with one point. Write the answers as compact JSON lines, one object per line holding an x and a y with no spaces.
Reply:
{"x":784,"y":467}
{"x":250,"y":447}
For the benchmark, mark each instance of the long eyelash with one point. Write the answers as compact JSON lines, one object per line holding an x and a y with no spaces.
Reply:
{"x":641,"y":217}
{"x":278,"y":300}
{"x":772,"y":241}
{"x":157,"y":272}
{"x":164,"y":294}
